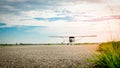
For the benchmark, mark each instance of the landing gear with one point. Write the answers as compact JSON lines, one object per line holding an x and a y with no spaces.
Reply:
{"x":69,"y":44}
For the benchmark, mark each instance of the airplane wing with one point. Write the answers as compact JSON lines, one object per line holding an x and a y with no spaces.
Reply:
{"x":60,"y":36}
{"x":87,"y":36}
{"x":73,"y":36}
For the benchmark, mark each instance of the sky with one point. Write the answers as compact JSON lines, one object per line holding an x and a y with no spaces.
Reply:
{"x":33,"y":21}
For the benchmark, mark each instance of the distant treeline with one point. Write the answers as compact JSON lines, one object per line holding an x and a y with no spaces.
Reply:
{"x":28,"y":44}
{"x":18,"y":44}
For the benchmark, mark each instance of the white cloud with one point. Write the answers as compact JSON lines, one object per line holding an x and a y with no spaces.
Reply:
{"x":13,"y":20}
{"x":11,"y":8}
{"x":39,"y":13}
{"x":16,"y":0}
{"x":78,"y":12}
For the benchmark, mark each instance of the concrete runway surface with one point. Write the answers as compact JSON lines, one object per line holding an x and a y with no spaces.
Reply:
{"x":47,"y":56}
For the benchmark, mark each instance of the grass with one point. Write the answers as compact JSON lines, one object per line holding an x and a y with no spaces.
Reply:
{"x":109,"y":56}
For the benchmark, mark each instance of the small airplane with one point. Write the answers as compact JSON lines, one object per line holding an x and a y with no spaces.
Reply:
{"x":72,"y":38}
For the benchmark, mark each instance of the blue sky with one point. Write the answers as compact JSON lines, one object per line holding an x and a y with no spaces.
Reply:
{"x":30,"y":21}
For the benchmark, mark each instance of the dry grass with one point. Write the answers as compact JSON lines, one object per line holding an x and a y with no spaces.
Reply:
{"x":46,"y":56}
